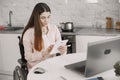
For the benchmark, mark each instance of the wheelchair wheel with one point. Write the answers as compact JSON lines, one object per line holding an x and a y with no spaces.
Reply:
{"x":18,"y":74}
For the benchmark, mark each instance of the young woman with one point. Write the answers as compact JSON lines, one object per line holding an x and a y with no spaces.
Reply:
{"x":39,"y":36}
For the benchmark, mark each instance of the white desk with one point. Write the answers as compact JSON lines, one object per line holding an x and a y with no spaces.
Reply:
{"x":55,"y":69}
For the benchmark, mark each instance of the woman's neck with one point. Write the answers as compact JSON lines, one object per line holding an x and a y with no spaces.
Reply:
{"x":45,"y":29}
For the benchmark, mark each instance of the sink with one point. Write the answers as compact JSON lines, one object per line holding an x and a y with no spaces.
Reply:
{"x":13,"y":28}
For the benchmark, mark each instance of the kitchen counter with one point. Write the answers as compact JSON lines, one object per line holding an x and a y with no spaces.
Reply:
{"x":93,"y":32}
{"x":11,"y":32}
{"x":99,"y":32}
{"x":79,"y":31}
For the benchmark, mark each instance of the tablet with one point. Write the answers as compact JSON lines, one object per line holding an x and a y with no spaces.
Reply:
{"x":56,"y":45}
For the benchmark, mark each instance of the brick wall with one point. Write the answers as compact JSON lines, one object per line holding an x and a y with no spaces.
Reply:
{"x":78,"y":11}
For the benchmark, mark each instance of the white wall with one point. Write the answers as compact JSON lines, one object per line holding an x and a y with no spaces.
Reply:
{"x":78,"y":11}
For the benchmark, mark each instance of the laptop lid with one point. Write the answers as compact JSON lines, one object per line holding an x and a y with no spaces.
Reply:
{"x":102,"y":55}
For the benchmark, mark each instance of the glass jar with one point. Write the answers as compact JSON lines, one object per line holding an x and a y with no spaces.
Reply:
{"x":108,"y":23}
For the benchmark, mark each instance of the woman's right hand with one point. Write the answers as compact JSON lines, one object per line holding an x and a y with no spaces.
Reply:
{"x":47,"y":51}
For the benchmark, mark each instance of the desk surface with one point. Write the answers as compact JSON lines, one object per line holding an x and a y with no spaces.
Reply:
{"x":55,"y":69}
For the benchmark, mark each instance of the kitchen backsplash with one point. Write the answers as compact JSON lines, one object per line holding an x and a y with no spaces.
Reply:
{"x":79,"y":12}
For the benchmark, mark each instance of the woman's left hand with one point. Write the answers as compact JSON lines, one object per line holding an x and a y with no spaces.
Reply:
{"x":62,"y":49}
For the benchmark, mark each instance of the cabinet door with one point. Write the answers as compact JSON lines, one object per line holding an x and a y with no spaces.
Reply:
{"x":82,"y":42}
{"x":1,"y":58}
{"x":9,"y":52}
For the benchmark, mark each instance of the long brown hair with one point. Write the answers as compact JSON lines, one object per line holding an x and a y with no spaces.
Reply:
{"x":34,"y":21}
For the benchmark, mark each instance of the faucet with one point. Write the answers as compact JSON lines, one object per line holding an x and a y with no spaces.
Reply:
{"x":10,"y":23}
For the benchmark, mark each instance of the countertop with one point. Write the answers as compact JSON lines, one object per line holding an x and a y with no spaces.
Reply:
{"x":11,"y":32}
{"x":93,"y":32}
{"x":79,"y":31}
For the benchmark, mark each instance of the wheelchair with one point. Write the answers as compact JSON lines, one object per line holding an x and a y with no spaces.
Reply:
{"x":20,"y":72}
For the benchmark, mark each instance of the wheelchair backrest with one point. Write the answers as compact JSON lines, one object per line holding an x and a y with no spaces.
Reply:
{"x":21,"y":47}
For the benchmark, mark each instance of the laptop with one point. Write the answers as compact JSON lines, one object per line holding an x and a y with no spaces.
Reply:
{"x":101,"y":56}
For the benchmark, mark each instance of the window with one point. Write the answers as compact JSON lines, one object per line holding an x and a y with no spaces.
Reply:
{"x":92,"y":1}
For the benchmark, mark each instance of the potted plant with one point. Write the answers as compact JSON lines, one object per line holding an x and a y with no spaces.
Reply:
{"x":117,"y":68}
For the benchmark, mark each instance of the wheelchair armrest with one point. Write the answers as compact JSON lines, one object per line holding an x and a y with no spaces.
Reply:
{"x":22,"y":62}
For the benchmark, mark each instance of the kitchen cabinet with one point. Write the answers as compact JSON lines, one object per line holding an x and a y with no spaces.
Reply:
{"x":9,"y":49}
{"x":82,"y":41}
{"x":0,"y":54}
{"x":9,"y":52}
